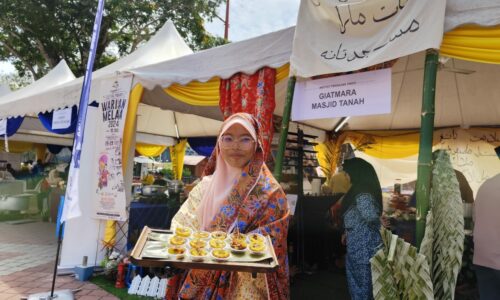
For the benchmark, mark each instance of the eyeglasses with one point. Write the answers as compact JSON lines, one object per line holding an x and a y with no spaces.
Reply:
{"x":244,"y":143}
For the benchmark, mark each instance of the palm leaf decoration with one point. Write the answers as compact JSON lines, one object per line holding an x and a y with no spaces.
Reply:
{"x":443,"y":243}
{"x":399,"y":272}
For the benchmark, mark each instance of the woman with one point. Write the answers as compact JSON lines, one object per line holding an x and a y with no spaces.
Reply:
{"x":238,"y":190}
{"x":361,"y":210}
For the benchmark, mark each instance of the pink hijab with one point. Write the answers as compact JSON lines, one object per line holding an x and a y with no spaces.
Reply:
{"x":224,"y":177}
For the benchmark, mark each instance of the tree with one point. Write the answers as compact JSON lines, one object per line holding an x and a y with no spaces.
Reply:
{"x":36,"y":34}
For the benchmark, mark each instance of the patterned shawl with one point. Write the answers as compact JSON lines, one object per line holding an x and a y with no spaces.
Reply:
{"x":264,"y":209}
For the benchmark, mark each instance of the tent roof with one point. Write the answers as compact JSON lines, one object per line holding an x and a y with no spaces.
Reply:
{"x":12,"y":104}
{"x":165,"y":44}
{"x":272,"y":50}
{"x":461,"y":99}
{"x":4,"y":89}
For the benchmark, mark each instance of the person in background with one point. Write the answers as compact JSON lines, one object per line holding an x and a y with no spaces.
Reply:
{"x":361,"y":211}
{"x":149,"y":179}
{"x":53,"y":179}
{"x":11,"y":170}
{"x":38,"y":168}
{"x":159,"y":179}
{"x":487,"y":237}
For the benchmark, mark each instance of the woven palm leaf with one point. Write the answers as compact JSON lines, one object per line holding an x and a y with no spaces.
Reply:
{"x":399,"y":272}
{"x":443,"y":243}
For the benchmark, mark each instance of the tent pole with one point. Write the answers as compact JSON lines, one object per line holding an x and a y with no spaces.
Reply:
{"x":278,"y":166}
{"x":424,"y":170}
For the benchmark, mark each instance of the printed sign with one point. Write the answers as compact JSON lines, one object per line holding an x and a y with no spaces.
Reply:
{"x":108,"y":182}
{"x":335,"y":36}
{"x":61,"y":119}
{"x":367,"y":93}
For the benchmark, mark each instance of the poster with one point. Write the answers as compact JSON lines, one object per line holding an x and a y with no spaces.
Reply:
{"x":366,"y":93}
{"x":108,"y":181}
{"x":335,"y":36}
{"x":61,"y":119}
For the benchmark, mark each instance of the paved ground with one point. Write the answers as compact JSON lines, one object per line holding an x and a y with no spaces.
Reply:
{"x":27,"y":253}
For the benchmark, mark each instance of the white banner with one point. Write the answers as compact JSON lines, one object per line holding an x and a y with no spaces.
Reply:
{"x":364,"y":93}
{"x":108,"y":182}
{"x":3,"y":126}
{"x":335,"y":36}
{"x":61,"y":119}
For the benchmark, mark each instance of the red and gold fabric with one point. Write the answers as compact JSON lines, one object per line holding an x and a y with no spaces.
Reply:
{"x":253,"y":94}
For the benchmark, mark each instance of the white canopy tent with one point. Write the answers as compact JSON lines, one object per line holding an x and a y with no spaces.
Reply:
{"x":4,"y":89}
{"x":164,"y":45}
{"x":31,"y":129}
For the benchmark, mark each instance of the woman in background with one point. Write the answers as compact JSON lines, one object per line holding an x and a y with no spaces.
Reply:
{"x":361,"y":210}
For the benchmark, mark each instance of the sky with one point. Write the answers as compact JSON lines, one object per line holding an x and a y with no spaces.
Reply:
{"x":247,"y":19}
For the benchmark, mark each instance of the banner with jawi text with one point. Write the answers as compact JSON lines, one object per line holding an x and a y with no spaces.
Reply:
{"x":110,"y":203}
{"x":358,"y":94}
{"x":335,"y":36}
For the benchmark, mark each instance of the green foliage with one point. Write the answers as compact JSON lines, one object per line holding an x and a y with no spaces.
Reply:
{"x":36,"y":34}
{"x":432,"y":273}
{"x":15,"y":81}
{"x":168,"y":173}
{"x":443,"y":243}
{"x":404,"y":274}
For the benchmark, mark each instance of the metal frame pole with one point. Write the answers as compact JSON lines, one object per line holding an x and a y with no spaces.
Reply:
{"x":424,"y":170}
{"x":278,"y":166}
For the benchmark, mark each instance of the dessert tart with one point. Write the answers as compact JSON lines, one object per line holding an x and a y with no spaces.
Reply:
{"x":258,"y":248}
{"x":220,"y":235}
{"x":221,"y":254}
{"x":256,"y":237}
{"x":177,"y":251}
{"x":238,"y":245}
{"x":217,"y":244}
{"x":197,"y":243}
{"x":183,"y":231}
{"x":177,"y":240}
{"x":201,"y":235}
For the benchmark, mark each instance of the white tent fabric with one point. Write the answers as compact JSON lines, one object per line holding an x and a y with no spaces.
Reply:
{"x":484,"y":12}
{"x":4,"y":89}
{"x":165,"y":45}
{"x":272,"y":50}
{"x":465,"y":100}
{"x":25,"y":101}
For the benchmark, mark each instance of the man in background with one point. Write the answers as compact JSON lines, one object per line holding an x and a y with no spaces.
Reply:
{"x":487,"y":237}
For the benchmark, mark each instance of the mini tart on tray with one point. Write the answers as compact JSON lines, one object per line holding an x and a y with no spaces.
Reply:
{"x":197,"y":243}
{"x":183,"y":231}
{"x":219,"y":235}
{"x":201,"y":234}
{"x":177,"y":240}
{"x":217,"y":244}
{"x":257,"y":247}
{"x":221,"y":254}
{"x":256,"y":237}
{"x":177,"y":251}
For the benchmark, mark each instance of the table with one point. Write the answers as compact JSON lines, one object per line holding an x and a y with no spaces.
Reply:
{"x":158,"y":216}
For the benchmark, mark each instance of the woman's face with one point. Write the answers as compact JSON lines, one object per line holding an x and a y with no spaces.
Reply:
{"x":237,"y":146}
